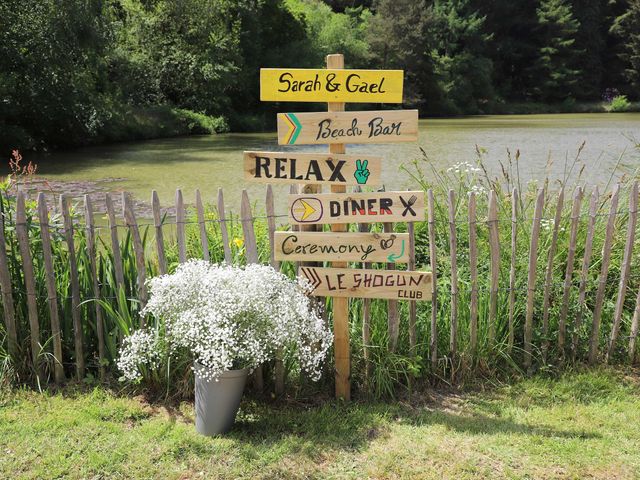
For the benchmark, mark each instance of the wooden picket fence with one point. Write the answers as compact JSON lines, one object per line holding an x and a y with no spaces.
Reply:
{"x":472,"y":222}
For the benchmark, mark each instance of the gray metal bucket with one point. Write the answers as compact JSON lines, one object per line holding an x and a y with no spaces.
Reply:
{"x":217,"y":402}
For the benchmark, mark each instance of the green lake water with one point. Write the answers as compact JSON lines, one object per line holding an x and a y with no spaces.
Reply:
{"x":209,"y":162}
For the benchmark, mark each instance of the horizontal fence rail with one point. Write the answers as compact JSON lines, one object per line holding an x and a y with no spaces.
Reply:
{"x":526,"y":279}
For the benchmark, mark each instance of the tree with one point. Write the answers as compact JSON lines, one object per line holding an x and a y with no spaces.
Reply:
{"x":555,"y":67}
{"x":591,"y":41}
{"x":627,"y":28}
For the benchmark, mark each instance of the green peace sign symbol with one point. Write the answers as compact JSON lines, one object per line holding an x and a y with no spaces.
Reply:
{"x":362,"y":173}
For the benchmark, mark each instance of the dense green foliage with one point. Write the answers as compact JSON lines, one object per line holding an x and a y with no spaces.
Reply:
{"x":79,"y":71}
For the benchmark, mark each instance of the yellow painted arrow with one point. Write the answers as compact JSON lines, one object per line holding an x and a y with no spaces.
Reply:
{"x":308,"y":210}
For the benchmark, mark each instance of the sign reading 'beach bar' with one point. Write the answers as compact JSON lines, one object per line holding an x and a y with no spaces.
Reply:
{"x":390,"y":284}
{"x":333,"y":208}
{"x":326,"y":85}
{"x":388,"y":126}
{"x":312,"y":168}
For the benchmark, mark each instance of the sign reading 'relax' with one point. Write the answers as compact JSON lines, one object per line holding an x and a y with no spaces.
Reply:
{"x":388,"y":126}
{"x":391,"y":284}
{"x":312,"y":168}
{"x":308,"y":85}
{"x":342,"y":247}
{"x":357,"y":207}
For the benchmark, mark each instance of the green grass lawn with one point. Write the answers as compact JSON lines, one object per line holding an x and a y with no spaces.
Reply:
{"x":582,"y":425}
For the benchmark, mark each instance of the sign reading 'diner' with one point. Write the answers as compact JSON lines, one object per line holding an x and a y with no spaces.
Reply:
{"x":385,"y":126}
{"x":312,"y":168}
{"x":361,"y":283}
{"x":342,"y":247}
{"x":374,"y":207}
{"x":311,"y":85}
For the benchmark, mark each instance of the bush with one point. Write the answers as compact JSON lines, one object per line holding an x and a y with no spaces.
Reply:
{"x":619,"y":104}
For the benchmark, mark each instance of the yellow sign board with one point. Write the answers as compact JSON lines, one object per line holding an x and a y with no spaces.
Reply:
{"x":324,"y":85}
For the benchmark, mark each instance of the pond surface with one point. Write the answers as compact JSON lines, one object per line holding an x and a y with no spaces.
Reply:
{"x":547,"y":144}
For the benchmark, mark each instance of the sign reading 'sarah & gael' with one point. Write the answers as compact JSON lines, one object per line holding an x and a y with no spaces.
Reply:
{"x":312,"y":168}
{"x":324,"y":85}
{"x":333,"y":208}
{"x":386,"y":126}
{"x":342,"y":247}
{"x":361,"y":283}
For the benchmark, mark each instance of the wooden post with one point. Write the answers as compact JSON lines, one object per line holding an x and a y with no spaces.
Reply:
{"x":494,"y":245}
{"x":91,"y":252}
{"x":602,"y":279}
{"x":7,"y":294}
{"x":138,"y":249}
{"x":453,"y":247}
{"x":115,"y":243}
{"x":29,"y":281}
{"x":340,"y":305}
{"x":473,"y":270}
{"x":157,"y":222}
{"x":626,"y":269}
{"x":75,"y":290}
{"x":204,"y":241}
{"x":224,"y":234}
{"x":531,"y":279}
{"x":512,"y":268}
{"x":635,"y":326}
{"x":251,"y":251}
{"x":568,"y":277}
{"x":52,"y":294}
{"x":180,"y":220}
{"x":586,"y":263}
{"x":392,"y":305}
{"x":412,"y":303}
{"x":549,"y":275}
{"x":433,"y":344}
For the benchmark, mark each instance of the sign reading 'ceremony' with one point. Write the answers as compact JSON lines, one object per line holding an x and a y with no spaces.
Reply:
{"x":390,"y":284}
{"x":310,"y":85}
{"x":312,"y":168}
{"x":357,"y":207}
{"x":342,"y":247}
{"x":388,"y":126}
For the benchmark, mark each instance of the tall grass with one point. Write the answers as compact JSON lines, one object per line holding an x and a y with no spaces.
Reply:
{"x":389,"y":370}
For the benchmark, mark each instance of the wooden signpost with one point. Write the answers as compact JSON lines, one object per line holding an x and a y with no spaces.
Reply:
{"x":389,"y":126}
{"x":311,"y":208}
{"x":357,"y":283}
{"x":342,"y":247}
{"x":312,"y":168}
{"x":357,"y":207}
{"x":330,"y":85}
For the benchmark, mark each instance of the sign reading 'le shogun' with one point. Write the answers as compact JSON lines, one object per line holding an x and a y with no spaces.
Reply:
{"x":342,"y":247}
{"x":312,"y":168}
{"x":391,"y":284}
{"x":310,"y":85}
{"x":388,"y":126}
{"x":357,"y":207}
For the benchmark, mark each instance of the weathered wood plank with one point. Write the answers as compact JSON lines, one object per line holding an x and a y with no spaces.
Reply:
{"x":204,"y":241}
{"x":115,"y":243}
{"x":224,"y":234}
{"x":385,"y":126}
{"x":494,"y":250}
{"x":568,"y":277}
{"x":626,"y":270}
{"x":412,"y":304}
{"x":75,"y":290}
{"x":473,"y":273}
{"x":138,"y":250}
{"x":157,"y":223}
{"x":180,"y":227}
{"x":602,"y":279}
{"x":393,"y":316}
{"x":335,"y":208}
{"x":531,"y":278}
{"x":324,"y":85}
{"x":22,"y":233}
{"x":8,"y":306}
{"x":549,"y":275}
{"x":586,"y":263}
{"x":95,"y":284}
{"x":433,"y":341}
{"x":366,"y":320}
{"x":453,"y":254}
{"x":512,"y":268}
{"x":312,"y":168}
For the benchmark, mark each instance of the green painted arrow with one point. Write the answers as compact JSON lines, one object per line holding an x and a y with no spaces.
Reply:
{"x":393,"y":258}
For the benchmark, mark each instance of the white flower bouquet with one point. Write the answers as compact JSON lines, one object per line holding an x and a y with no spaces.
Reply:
{"x":226,"y":318}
